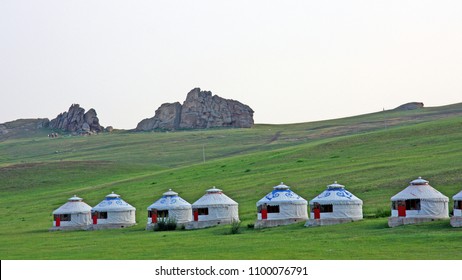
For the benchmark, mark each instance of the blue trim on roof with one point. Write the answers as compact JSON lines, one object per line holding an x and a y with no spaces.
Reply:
{"x":277,"y":193}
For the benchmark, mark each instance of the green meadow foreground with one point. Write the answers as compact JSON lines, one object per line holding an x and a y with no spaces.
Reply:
{"x":375,"y":156}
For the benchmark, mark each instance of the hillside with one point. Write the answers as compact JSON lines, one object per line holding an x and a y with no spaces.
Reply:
{"x":374,"y":156}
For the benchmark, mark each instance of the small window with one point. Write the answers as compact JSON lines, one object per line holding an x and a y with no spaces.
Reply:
{"x":63,"y":217}
{"x":458,"y":204}
{"x":162,"y":213}
{"x":413,"y":204}
{"x":273,"y":208}
{"x":202,"y":211}
{"x":102,"y":215}
{"x":328,"y":208}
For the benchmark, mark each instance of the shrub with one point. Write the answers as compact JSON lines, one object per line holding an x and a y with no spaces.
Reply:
{"x":381,"y":213}
{"x":235,"y":227}
{"x":165,"y":224}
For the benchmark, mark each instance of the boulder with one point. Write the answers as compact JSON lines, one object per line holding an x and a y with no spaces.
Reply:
{"x":77,"y":121}
{"x":200,"y":110}
{"x":167,"y":117}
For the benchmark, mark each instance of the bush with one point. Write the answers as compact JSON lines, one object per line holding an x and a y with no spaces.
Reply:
{"x":165,"y":224}
{"x":235,"y":227}
{"x":381,"y":213}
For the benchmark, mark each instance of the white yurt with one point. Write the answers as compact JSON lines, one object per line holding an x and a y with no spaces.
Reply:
{"x":335,"y":205}
{"x":456,"y":219}
{"x":74,"y":214}
{"x":417,"y":203}
{"x":169,"y":206}
{"x":213,"y":208}
{"x":281,"y":207}
{"x":113,"y":212}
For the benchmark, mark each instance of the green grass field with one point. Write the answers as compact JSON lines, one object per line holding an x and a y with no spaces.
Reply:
{"x":374,"y":156}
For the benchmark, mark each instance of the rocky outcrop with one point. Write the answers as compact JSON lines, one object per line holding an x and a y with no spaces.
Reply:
{"x":199,"y":110}
{"x":77,"y":121}
{"x":167,"y":117}
{"x":410,"y":106}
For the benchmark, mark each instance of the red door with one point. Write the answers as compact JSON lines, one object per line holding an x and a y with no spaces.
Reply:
{"x":154,"y":216}
{"x":264,"y":214}
{"x":401,"y":211}
{"x":95,"y":219}
{"x":317,"y":213}
{"x":196,"y":215}
{"x":58,"y":221}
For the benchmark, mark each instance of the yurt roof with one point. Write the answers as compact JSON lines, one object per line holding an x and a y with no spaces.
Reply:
{"x":420,"y":189}
{"x":281,"y":194}
{"x":113,"y":203}
{"x":170,"y":200}
{"x":73,"y":205}
{"x":212,"y":197}
{"x":336,"y":194}
{"x":458,"y":196}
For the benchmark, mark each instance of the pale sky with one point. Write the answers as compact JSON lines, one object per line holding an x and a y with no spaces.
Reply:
{"x":290,"y":61}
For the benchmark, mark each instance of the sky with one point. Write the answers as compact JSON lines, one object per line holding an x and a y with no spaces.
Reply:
{"x":290,"y":61}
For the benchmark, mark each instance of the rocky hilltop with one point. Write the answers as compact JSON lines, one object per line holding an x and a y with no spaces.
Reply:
{"x":201,"y":109}
{"x":410,"y":106}
{"x":77,"y":120}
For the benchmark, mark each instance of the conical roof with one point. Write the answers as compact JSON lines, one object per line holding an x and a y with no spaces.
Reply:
{"x":73,"y":205}
{"x":458,"y":196}
{"x":113,"y":203}
{"x":282,"y":194}
{"x":420,"y":189}
{"x":212,"y":197}
{"x":336,"y":194}
{"x":170,"y":200}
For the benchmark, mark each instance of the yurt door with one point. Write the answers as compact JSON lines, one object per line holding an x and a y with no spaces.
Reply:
{"x":317,"y":211}
{"x":154,"y":216}
{"x":196,"y":215}
{"x":264,"y":212}
{"x":317,"y":214}
{"x":58,"y":221}
{"x":95,"y":218}
{"x":401,"y":209}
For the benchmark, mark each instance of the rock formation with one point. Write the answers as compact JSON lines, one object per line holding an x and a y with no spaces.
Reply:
{"x":76,"y":120}
{"x":199,"y":110}
{"x":410,"y":106}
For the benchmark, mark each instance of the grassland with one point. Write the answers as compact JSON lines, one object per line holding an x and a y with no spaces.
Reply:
{"x":374,"y":155}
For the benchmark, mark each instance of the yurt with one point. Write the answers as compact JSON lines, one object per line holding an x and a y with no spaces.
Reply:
{"x":456,"y":219}
{"x":212,"y":209}
{"x":169,"y":207}
{"x":417,"y":203}
{"x":280,"y":207}
{"x":73,"y":215}
{"x":335,"y":205}
{"x":113,"y":212}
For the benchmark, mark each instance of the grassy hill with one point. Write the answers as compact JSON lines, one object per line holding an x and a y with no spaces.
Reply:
{"x":374,"y":156}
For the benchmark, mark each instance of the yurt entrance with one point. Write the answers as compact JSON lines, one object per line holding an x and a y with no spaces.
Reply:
{"x":58,"y":218}
{"x":200,"y":212}
{"x":406,"y":205}
{"x":266,"y":209}
{"x":156,"y":215}
{"x":98,"y":215}
{"x":318,"y":208}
